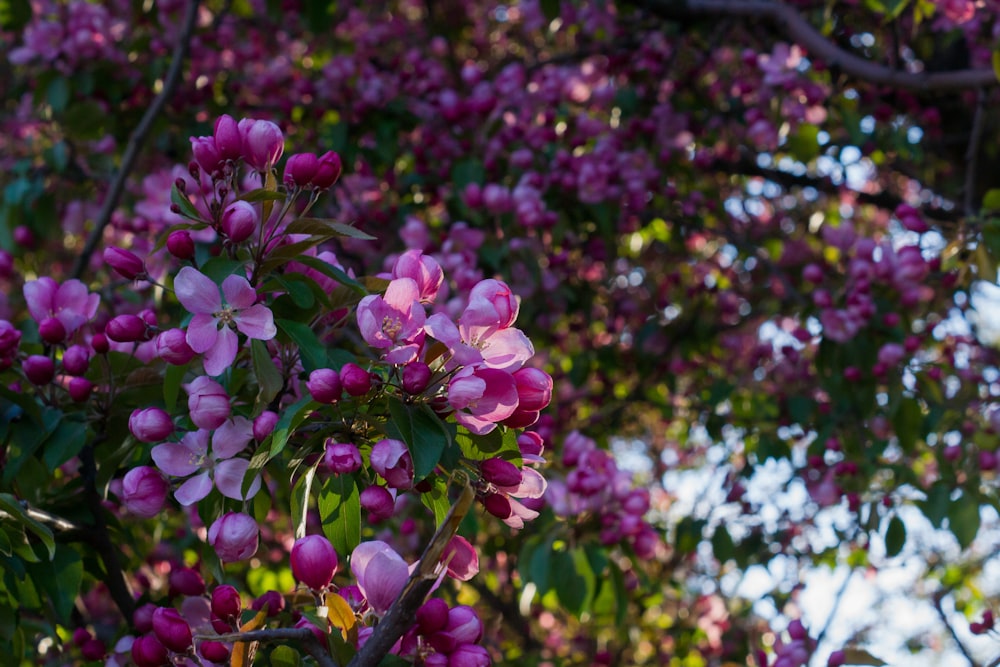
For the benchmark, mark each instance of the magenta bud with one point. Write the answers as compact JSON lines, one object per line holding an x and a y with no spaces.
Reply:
{"x":391,"y":460}
{"x":534,"y":388}
{"x":306,"y":623}
{"x":51,"y":330}
{"x":180,"y":244}
{"x":273,"y":600}
{"x":469,"y":655}
{"x":80,"y":389}
{"x":263,"y":143}
{"x":500,"y":472}
{"x":76,"y":360}
{"x":342,"y":458}
{"x":206,"y":154}
{"x":416,"y":376}
{"x":144,"y":491}
{"x":837,"y":659}
{"x":125,"y":263}
{"x":378,"y":502}
{"x":142,"y":619}
{"x":234,"y":536}
{"x":150,"y":424}
{"x":239,"y":221}
{"x":521,"y":418}
{"x":432,"y":616}
{"x":208,"y":403}
{"x":24,"y":237}
{"x":264,"y":424}
{"x":6,"y":264}
{"x":226,"y":602}
{"x":81,"y":636}
{"x":93,"y":649}
{"x":328,"y":171}
{"x":300,"y":169}
{"x":324,"y":385}
{"x":172,"y":630}
{"x":39,"y":369}
{"x":797,"y":631}
{"x":464,"y":625}
{"x":214,"y":652}
{"x":314,"y":561}
{"x":185,"y":581}
{"x":173,"y":348}
{"x":498,"y":505}
{"x":355,"y":380}
{"x":148,"y":651}
{"x":127,"y":329}
{"x":99,"y":342}
{"x":226,"y":136}
{"x":220,"y":626}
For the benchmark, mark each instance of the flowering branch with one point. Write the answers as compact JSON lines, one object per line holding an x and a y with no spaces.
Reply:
{"x":138,"y":138}
{"x":310,"y":644}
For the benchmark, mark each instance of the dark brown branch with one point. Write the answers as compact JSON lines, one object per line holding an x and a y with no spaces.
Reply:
{"x":138,"y":138}
{"x":796,"y":28}
{"x":972,"y":153}
{"x":310,"y":644}
{"x":951,"y":630}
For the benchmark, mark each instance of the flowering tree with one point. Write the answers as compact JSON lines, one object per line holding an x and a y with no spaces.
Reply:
{"x":324,"y":328}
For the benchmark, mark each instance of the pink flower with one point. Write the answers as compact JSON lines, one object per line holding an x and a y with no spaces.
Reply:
{"x":190,"y":456}
{"x":314,"y":561}
{"x":210,"y":331}
{"x":423,"y":269}
{"x":391,"y":460}
{"x":263,"y":143}
{"x":504,"y":505}
{"x":234,"y":536}
{"x":144,"y":491}
{"x":394,"y":322}
{"x":70,"y":303}
{"x":462,"y":559}
{"x":381,"y":574}
{"x":482,"y":397}
{"x":208,"y":402}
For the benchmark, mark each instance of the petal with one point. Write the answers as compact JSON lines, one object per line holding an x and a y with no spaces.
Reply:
{"x":202,"y":332}
{"x":532,"y":484}
{"x":194,"y":489}
{"x":232,"y":438}
{"x":257,"y":322}
{"x":229,"y":479}
{"x":507,"y":350}
{"x":441,"y":327}
{"x":238,"y":292}
{"x":40,"y":297}
{"x":402,"y":354}
{"x":178,"y":458}
{"x":475,"y":424}
{"x":196,"y":291}
{"x":220,"y":357}
{"x":381,"y":573}
{"x":465,"y":390}
{"x":401,"y":294}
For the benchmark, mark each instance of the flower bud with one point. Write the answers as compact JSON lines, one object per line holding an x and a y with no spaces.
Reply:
{"x":227,"y":139}
{"x":500,"y":472}
{"x":142,"y":619}
{"x":80,"y":389}
{"x":263,"y":143}
{"x":239,"y":221}
{"x":147,"y":651}
{"x":150,"y":424}
{"x":432,"y":616}
{"x":208,"y":403}
{"x":306,"y":623}
{"x":172,"y":630}
{"x":206,"y":154}
{"x":226,"y":602}
{"x":498,"y":505}
{"x":469,"y":655}
{"x":314,"y":561}
{"x":99,"y":342}
{"x":93,"y":649}
{"x":462,"y":559}
{"x":391,"y":460}
{"x":534,"y":388}
{"x":125,"y":263}
{"x":144,"y":491}
{"x":416,"y":376}
{"x":328,"y":171}
{"x":180,"y":244}
{"x":342,"y":458}
{"x":355,"y":380}
{"x":273,"y":600}
{"x":378,"y":502}
{"x":214,"y":652}
{"x":173,"y":348}
{"x":325,"y":386}
{"x":51,"y":330}
{"x":6,"y":264}
{"x":185,"y":581}
{"x":300,"y":169}
{"x":39,"y":369}
{"x":24,"y":237}
{"x":76,"y":360}
{"x":234,"y":536}
{"x":264,"y":424}
{"x":127,"y":329}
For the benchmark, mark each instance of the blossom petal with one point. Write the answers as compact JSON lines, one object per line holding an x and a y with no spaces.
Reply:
{"x":202,"y":332}
{"x":229,"y":479}
{"x":381,"y":574}
{"x":232,"y":438}
{"x":238,"y":292}
{"x":194,"y":489}
{"x":257,"y":322}
{"x":507,"y":350}
{"x":220,"y":357}
{"x":196,"y":291}
{"x":184,"y":457}
{"x":40,"y":297}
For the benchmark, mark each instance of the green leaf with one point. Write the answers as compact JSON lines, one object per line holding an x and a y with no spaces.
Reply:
{"x":467,"y":171}
{"x":550,"y":8}
{"x":290,"y":419}
{"x":12,"y":507}
{"x":173,"y":377}
{"x":573,"y":580}
{"x":188,"y":209}
{"x":935,"y":506}
{"x":64,"y":443}
{"x":895,"y":537}
{"x":300,"y":500}
{"x":297,"y":287}
{"x":908,"y":422}
{"x":262,"y":194}
{"x":313,"y":352}
{"x":963,"y":519}
{"x":269,"y":379}
{"x":60,"y":580}
{"x":500,"y":442}
{"x":422,"y":431}
{"x":991,"y":200}
{"x":996,"y":63}
{"x":722,"y":544}
{"x":284,"y":656}
{"x":57,"y":93}
{"x":436,"y":500}
{"x":326,"y":227}
{"x":340,"y":512}
{"x":804,"y":144}
{"x":14,"y":14}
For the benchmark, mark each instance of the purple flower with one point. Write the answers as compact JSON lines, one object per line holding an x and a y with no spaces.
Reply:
{"x":210,"y":331}
{"x":208,"y":402}
{"x":150,"y":424}
{"x":391,"y":460}
{"x":381,"y":574}
{"x":234,"y":536}
{"x":394,"y":322}
{"x":144,"y":490}
{"x":314,"y":561}
{"x":263,"y":143}
{"x":71,"y":303}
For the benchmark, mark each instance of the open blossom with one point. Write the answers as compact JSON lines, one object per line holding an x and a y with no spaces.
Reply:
{"x":482,"y":397}
{"x":210,"y":331}
{"x":191,"y":456}
{"x":381,"y":574}
{"x":70,"y":303}
{"x":394,"y":322}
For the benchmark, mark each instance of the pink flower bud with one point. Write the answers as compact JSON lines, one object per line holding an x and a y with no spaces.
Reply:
{"x":342,"y":458}
{"x":99,"y":342}
{"x":226,"y":602}
{"x":76,"y":360}
{"x":208,"y":403}
{"x":239,"y":221}
{"x":300,"y":169}
{"x":263,"y":143}
{"x":172,"y":630}
{"x":498,"y":505}
{"x":81,"y":636}
{"x":432,"y":616}
{"x":185,"y":581}
{"x":355,"y":380}
{"x":837,"y":659}
{"x":144,"y":491}
{"x":142,"y":619}
{"x":391,"y":460}
{"x":306,"y":623}
{"x":227,"y":139}
{"x":325,"y":386}
{"x":462,"y":559}
{"x":500,"y":472}
{"x":328,"y":171}
{"x":378,"y":502}
{"x":234,"y":536}
{"x":314,"y":561}
{"x":93,"y":649}
{"x":51,"y":330}
{"x":422,"y":269}
{"x":531,"y":445}
{"x":214,"y":652}
{"x":180,"y":244}
{"x":469,"y":655}
{"x":206,"y":154}
{"x":173,"y":348}
{"x":534,"y":388}
{"x":273,"y":600}
{"x":127,"y":329}
{"x":39,"y":369}
{"x":150,"y":424}
{"x":147,"y":651}
{"x":264,"y":424}
{"x":80,"y":389}
{"x":416,"y":376}
{"x":125,"y":263}
{"x":24,"y":237}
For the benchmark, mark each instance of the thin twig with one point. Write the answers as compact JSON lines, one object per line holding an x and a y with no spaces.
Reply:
{"x":951,"y":630}
{"x":836,"y":605}
{"x":41,"y":515}
{"x":972,"y":153}
{"x":310,"y":644}
{"x":138,"y":138}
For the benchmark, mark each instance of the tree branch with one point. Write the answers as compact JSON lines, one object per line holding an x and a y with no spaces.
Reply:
{"x":972,"y":153}
{"x":138,"y":138}
{"x":796,"y":28}
{"x":954,"y":635}
{"x":310,"y":644}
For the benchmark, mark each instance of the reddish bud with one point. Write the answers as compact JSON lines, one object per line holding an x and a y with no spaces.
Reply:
{"x":24,"y":237}
{"x":416,"y":376}
{"x":239,"y":221}
{"x":214,"y":652}
{"x":314,"y":561}
{"x":234,"y":536}
{"x":342,"y":458}
{"x":51,"y":330}
{"x":185,"y":581}
{"x":39,"y":369}
{"x":127,"y":329}
{"x":264,"y":424}
{"x":172,"y":630}
{"x":324,"y":385}
{"x":180,"y":244}
{"x":226,"y":138}
{"x":76,"y":360}
{"x":355,"y":380}
{"x":300,"y":169}
{"x":273,"y":600}
{"x":99,"y":342}
{"x":500,"y":472}
{"x":144,"y":491}
{"x":150,"y":424}
{"x":432,"y":616}
{"x":148,"y":651}
{"x":173,"y":348}
{"x":328,"y":171}
{"x":125,"y":263}
{"x":80,"y":389}
{"x":226,"y":602}
{"x":142,"y":619}
{"x":378,"y":502}
{"x":498,"y":505}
